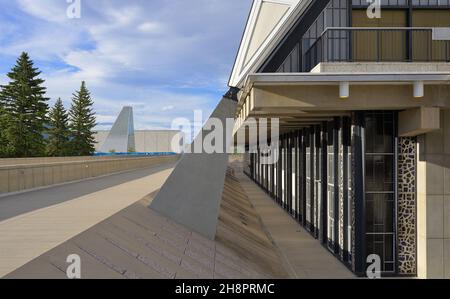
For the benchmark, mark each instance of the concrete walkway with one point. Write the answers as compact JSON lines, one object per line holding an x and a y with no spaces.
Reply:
{"x":29,"y":235}
{"x":12,"y":205}
{"x":140,"y":243}
{"x":303,"y":256}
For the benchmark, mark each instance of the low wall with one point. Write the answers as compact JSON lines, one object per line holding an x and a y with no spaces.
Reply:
{"x":45,"y":160}
{"x":17,"y":176}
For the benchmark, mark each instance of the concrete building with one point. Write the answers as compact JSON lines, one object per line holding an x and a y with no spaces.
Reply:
{"x":365,"y":125}
{"x":122,"y":138}
{"x":146,"y":141}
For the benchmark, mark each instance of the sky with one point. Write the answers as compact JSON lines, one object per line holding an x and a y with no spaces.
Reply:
{"x":166,"y":58}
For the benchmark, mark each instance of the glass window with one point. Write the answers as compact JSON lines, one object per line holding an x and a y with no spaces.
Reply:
{"x":349,"y":199}
{"x":274,"y":179}
{"x":379,"y":127}
{"x":421,"y":3}
{"x":331,"y":194}
{"x":299,"y":178}
{"x":308,"y":182}
{"x":379,"y":173}
{"x":379,"y":187}
{"x":318,"y":179}
{"x":380,"y":213}
{"x":294,"y":183}
{"x":334,"y":15}
{"x":283,"y":172}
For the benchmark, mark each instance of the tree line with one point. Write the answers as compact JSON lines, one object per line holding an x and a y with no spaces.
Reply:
{"x":30,"y":128}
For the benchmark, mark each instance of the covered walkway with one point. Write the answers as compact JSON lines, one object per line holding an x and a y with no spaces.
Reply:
{"x":302,"y":255}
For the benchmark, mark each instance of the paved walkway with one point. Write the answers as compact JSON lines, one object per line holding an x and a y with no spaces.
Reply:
{"x":303,"y":256}
{"x":32,"y":200}
{"x":137,"y":242}
{"x":29,"y":235}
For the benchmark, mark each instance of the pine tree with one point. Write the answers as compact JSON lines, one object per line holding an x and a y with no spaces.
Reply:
{"x":58,"y":139}
{"x":25,"y":107}
{"x":4,"y":152}
{"x":82,"y":123}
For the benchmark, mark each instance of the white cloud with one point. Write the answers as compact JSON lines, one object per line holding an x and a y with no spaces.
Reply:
{"x":150,"y":27}
{"x":168,"y":108}
{"x":165,"y":57}
{"x":50,"y":10}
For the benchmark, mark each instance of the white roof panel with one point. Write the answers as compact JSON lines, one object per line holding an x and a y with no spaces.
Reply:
{"x":268,"y":22}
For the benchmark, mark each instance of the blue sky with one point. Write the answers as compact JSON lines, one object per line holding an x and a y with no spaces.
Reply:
{"x":166,"y":58}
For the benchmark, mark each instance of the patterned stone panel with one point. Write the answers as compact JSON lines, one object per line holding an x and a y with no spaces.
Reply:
{"x":341,"y":193}
{"x":353,"y":196}
{"x":407,"y":206}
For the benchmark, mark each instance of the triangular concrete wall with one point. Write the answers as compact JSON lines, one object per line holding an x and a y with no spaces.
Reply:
{"x":192,"y":194}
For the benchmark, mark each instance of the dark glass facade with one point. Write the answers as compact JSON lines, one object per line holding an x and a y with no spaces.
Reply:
{"x":380,"y":191}
{"x":340,"y":31}
{"x":349,"y":206}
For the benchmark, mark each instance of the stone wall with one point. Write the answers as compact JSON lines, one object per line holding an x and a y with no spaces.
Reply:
{"x":407,"y":206}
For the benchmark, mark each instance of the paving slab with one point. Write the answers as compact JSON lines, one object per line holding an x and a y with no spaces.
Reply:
{"x":137,"y":242}
{"x":12,"y":205}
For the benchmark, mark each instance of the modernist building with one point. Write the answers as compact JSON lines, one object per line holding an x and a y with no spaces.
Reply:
{"x":364,"y":141}
{"x":123,"y":138}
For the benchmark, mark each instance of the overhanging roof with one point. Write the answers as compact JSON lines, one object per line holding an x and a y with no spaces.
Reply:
{"x":308,"y":78}
{"x":267,"y":24}
{"x":285,"y":79}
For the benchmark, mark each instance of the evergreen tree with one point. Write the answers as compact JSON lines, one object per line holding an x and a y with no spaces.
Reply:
{"x":58,"y":139}
{"x":4,"y":152}
{"x":25,"y":107}
{"x":82,"y":123}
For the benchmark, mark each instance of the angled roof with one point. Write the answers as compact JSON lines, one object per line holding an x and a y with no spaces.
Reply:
{"x":268,"y":22}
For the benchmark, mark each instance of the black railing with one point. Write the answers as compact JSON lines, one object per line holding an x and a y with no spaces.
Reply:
{"x":376,"y":45}
{"x":404,"y":3}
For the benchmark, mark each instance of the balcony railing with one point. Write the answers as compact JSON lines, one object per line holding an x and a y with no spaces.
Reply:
{"x":376,"y":45}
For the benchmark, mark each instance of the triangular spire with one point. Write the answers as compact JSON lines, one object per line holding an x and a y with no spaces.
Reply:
{"x":121,"y":139}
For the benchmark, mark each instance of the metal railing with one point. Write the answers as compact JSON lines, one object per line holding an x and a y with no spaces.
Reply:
{"x":376,"y":45}
{"x":404,"y":3}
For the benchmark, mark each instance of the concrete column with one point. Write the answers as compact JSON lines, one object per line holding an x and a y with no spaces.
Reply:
{"x":434,"y":202}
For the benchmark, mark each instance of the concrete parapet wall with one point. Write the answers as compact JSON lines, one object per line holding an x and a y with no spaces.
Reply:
{"x":44,"y":160}
{"x":19,"y":175}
